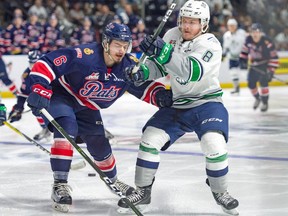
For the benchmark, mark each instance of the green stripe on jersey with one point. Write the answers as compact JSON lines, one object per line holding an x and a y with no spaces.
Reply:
{"x":183,"y":101}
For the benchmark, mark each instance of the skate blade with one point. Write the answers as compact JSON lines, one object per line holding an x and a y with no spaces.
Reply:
{"x":141,"y":208}
{"x":231,"y":212}
{"x":61,"y":207}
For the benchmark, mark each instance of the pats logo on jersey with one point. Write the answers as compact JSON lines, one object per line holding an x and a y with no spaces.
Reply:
{"x":93,"y":76}
{"x":88,"y":51}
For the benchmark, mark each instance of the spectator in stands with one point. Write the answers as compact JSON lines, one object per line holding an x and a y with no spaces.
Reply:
{"x":40,"y":10}
{"x":53,"y":39}
{"x":14,"y":37}
{"x":76,"y":14}
{"x":133,"y":18}
{"x":34,"y":33}
{"x":102,"y":17}
{"x":84,"y":34}
{"x":138,"y":34}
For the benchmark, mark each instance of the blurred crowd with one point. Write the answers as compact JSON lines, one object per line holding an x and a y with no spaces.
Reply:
{"x":51,"y":24}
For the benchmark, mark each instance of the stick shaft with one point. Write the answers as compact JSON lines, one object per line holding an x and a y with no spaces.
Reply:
{"x":27,"y":137}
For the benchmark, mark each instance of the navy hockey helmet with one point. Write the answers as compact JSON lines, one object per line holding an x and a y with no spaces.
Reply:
{"x":33,"y":56}
{"x":116,"y":31}
{"x":256,"y":27}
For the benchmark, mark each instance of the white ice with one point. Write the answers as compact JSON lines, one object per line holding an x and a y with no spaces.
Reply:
{"x":258,"y":150}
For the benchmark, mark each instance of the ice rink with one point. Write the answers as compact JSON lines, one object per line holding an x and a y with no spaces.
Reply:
{"x":258,"y":162}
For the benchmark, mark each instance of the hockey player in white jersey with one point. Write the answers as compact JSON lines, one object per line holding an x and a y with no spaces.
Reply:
{"x":233,"y":40}
{"x":192,"y":57}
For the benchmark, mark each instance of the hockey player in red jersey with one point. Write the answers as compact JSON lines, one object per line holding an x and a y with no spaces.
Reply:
{"x":261,"y":52}
{"x":74,"y":84}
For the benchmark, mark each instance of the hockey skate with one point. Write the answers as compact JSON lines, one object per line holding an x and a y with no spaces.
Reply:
{"x":264,"y":107}
{"x":124,"y":188}
{"x":236,"y":91}
{"x":43,"y":134}
{"x":256,"y":103}
{"x":140,"y":197}
{"x":61,"y":197}
{"x":227,"y":202}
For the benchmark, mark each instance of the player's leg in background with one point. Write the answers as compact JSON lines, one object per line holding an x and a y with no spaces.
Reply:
{"x":253,"y":77}
{"x":44,"y":134}
{"x":234,"y":71}
{"x":5,"y":79}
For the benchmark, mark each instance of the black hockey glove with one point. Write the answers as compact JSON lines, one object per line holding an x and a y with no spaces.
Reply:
{"x":164,"y":98}
{"x":141,"y":75}
{"x":243,"y":63}
{"x":39,"y":98}
{"x":156,"y":48}
{"x":270,"y":74}
{"x":15,"y":114}
{"x":2,"y":114}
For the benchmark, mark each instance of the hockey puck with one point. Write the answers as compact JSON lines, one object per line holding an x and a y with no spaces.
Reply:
{"x":91,"y":174}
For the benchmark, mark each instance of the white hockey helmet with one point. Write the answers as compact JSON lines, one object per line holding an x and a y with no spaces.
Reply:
{"x":232,"y":21}
{"x":196,"y":9}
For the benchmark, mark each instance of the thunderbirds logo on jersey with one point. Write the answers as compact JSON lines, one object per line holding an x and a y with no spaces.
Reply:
{"x":93,"y":76}
{"x":195,"y":74}
{"x":88,"y":51}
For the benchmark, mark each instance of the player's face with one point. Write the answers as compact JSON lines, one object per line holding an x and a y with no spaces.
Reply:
{"x":256,"y":35}
{"x":190,"y":27}
{"x":118,"y":49}
{"x":232,"y":28}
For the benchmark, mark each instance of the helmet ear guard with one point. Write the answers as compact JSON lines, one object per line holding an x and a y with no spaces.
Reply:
{"x":33,"y":56}
{"x":195,"y":9}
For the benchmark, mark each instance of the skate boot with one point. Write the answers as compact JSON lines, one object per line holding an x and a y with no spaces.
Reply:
{"x":43,"y":134}
{"x":227,"y":202}
{"x":264,"y":107}
{"x":124,"y":188}
{"x":140,"y":197}
{"x":236,"y":90}
{"x":256,"y":103}
{"x":61,"y":197}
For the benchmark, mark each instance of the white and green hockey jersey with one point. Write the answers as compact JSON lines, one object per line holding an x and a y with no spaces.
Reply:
{"x":193,"y":69}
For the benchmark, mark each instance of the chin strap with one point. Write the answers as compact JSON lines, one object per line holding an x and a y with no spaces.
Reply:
{"x":107,"y":50}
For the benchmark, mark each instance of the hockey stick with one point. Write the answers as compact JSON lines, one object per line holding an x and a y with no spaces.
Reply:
{"x":102,"y":175}
{"x":75,"y":166}
{"x":27,"y":137}
{"x":156,"y":34}
{"x":274,"y":77}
